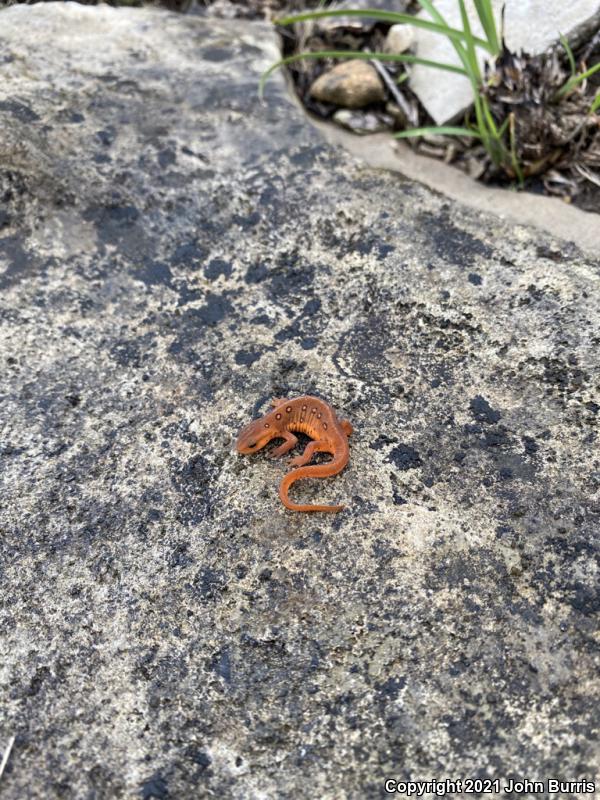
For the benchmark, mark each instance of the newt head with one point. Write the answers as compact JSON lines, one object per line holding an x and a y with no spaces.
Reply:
{"x":254,"y":437}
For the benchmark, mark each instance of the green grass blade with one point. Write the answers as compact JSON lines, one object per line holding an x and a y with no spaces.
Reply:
{"x":570,"y":55}
{"x":441,"y":130}
{"x":428,"y":6}
{"x":405,"y":58}
{"x":425,"y":62}
{"x":462,"y":52}
{"x":486,"y":125}
{"x":474,"y":70}
{"x":577,"y":79}
{"x":503,"y":127}
{"x":595,"y":105}
{"x":435,"y":15}
{"x":485,"y":12}
{"x":491,"y":122}
{"x":392,"y":17}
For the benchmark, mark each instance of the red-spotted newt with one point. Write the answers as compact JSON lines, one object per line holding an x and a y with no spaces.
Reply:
{"x":307,"y":415}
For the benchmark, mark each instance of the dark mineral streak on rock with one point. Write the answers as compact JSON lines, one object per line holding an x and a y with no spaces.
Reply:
{"x":173,"y":255}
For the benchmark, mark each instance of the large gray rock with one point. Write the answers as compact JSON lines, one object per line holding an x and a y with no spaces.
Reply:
{"x":174,"y":253}
{"x":529,"y":25}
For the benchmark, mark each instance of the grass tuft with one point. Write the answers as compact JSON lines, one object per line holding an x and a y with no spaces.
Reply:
{"x":498,"y":135}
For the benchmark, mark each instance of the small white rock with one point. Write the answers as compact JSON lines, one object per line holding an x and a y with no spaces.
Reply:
{"x":399,"y":39}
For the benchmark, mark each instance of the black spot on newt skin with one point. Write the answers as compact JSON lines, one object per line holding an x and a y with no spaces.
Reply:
{"x":482,"y":411}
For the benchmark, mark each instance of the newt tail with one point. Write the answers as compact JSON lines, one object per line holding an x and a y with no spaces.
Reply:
{"x":313,"y":471}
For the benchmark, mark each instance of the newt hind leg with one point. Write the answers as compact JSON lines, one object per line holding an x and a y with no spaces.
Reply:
{"x":346,"y":426}
{"x":290,"y":442}
{"x":309,"y":451}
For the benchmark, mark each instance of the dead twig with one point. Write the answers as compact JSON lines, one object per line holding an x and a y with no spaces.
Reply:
{"x":409,"y":111}
{"x":588,"y":174}
{"x":594,"y":41}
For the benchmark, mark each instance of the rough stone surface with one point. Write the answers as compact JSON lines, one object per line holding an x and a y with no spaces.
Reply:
{"x":352,"y":84}
{"x":530,"y":25}
{"x":174,"y":253}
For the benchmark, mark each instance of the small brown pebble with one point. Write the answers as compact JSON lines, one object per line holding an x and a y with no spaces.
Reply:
{"x":353,"y":84}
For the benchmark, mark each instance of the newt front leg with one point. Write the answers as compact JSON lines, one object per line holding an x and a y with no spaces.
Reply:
{"x":290,"y":442}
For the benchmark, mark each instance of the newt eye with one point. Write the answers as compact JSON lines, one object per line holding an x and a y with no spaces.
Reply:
{"x":251,"y":444}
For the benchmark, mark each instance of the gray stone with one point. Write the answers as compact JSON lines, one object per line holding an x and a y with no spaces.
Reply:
{"x":363,"y":122}
{"x":351,"y":84}
{"x":529,"y":25}
{"x":173,"y":253}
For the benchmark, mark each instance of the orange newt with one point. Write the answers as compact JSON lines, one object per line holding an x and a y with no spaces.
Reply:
{"x":313,"y":417}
